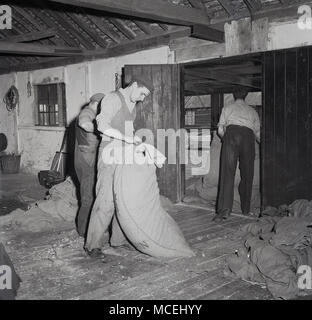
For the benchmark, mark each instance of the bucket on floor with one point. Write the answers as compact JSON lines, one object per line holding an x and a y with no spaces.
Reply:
{"x":10,"y":163}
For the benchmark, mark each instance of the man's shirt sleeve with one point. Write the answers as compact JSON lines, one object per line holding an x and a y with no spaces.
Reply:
{"x":223,"y":117}
{"x":85,"y":116}
{"x":110,"y":105}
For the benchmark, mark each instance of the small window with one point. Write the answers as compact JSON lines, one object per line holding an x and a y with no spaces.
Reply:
{"x":51,"y":105}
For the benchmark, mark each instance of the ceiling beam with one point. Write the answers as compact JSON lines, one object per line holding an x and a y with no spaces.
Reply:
{"x":223,"y":77}
{"x":123,"y":28}
{"x":27,"y":16}
{"x":272,"y":12}
{"x":205,"y":33}
{"x":68,"y":26}
{"x":143,"y":43}
{"x":48,"y":20}
{"x":144,"y":26}
{"x":32,"y":36}
{"x":106,"y":28}
{"x":253,"y":5}
{"x":92,"y":34}
{"x":156,"y":10}
{"x":41,"y":50}
{"x":199,"y":4}
{"x":228,"y":7}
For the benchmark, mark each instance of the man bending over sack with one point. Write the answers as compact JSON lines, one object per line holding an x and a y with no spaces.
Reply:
{"x":117,"y":109}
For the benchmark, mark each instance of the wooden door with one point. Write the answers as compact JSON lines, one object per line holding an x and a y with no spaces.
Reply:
{"x":287,"y":127}
{"x":161,"y":110}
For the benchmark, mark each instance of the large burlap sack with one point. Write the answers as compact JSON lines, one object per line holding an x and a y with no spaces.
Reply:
{"x":145,"y":223}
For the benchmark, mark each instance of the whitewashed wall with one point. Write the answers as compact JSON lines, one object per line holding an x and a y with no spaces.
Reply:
{"x":8,"y":120}
{"x":39,"y":144}
{"x":288,"y":35}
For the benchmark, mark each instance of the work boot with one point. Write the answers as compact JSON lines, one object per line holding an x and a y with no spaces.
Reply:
{"x":222,"y":215}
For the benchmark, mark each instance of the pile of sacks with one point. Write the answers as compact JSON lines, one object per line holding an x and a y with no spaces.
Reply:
{"x":61,"y":204}
{"x":274,"y":248}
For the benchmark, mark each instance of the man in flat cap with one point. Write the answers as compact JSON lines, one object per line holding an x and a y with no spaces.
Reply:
{"x":86,"y":147}
{"x":115,"y":122}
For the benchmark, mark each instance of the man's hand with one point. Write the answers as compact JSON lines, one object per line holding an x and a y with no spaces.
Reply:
{"x":221,"y":131}
{"x":133,"y":140}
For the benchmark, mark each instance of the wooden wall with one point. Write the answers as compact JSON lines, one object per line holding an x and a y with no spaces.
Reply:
{"x":161,"y":110}
{"x":287,"y":126}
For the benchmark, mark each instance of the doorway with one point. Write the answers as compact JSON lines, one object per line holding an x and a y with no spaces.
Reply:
{"x":207,"y":88}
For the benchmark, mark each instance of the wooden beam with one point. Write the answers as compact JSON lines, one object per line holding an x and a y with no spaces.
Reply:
{"x":43,"y":15}
{"x":145,"y":27}
{"x":199,"y":4}
{"x":153,"y":41}
{"x":86,"y":28}
{"x":123,"y":28}
{"x":223,"y":77}
{"x":106,"y":28}
{"x":253,"y":5}
{"x":156,"y":10}
{"x":228,"y":7}
{"x":67,"y":26}
{"x":272,"y":12}
{"x":28,"y":17}
{"x":202,"y":32}
{"x":32,"y":36}
{"x":40,"y":50}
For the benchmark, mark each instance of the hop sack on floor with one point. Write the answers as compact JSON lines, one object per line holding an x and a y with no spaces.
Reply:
{"x":145,"y":223}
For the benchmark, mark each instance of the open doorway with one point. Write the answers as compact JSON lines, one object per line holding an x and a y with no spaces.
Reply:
{"x":207,"y":87}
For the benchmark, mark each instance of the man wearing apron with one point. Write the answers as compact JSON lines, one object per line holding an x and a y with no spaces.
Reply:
{"x":117,"y":111}
{"x":86,"y":146}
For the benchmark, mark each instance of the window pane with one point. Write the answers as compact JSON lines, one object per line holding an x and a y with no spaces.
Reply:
{"x":41,"y":122}
{"x":51,"y":109}
{"x":52,"y":118}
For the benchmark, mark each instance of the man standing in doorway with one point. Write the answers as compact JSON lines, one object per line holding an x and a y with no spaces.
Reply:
{"x":238,"y":128}
{"x":117,"y":110}
{"x":86,"y":146}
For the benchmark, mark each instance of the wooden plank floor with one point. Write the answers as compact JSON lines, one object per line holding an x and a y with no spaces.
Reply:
{"x":53,"y":265}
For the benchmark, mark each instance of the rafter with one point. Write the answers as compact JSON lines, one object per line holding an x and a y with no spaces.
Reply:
{"x":228,"y":7}
{"x":87,"y":29}
{"x":157,"y":10}
{"x":123,"y":28}
{"x":28,"y":17}
{"x":199,"y":4}
{"x":202,"y":32}
{"x":146,"y":42}
{"x":272,"y":12}
{"x":66,"y":25}
{"x":253,"y":5}
{"x":34,"y":49}
{"x":61,"y":33}
{"x":32,"y":36}
{"x":145,"y":27}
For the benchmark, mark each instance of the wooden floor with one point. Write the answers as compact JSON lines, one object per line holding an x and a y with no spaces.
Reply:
{"x":53,"y":265}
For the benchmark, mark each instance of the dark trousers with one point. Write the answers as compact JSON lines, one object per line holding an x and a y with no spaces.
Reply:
{"x":238,"y":145}
{"x":85,"y":160}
